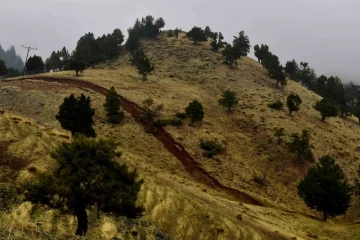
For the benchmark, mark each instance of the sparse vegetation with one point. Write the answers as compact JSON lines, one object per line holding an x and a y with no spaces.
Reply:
{"x":325,"y":189}
{"x":211,"y":148}
{"x":228,"y":100}
{"x":195,"y":111}
{"x":149,"y":110}
{"x":165,"y":122}
{"x":75,"y":115}
{"x":112,"y":107}
{"x":180,"y":115}
{"x":86,"y":176}
{"x":293,"y":102}
{"x":278,"y":105}
{"x":300,"y":145}
{"x":279,"y":134}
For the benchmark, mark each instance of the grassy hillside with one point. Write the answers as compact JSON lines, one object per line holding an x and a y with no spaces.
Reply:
{"x":174,"y":202}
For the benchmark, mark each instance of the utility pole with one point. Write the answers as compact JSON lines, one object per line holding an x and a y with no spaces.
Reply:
{"x":28,"y":49}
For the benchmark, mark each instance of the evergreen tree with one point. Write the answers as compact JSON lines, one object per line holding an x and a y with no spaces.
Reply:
{"x":327,"y":108}
{"x":112,"y":107}
{"x":12,"y":72}
{"x":217,"y":41}
{"x":144,"y":67}
{"x":76,"y":65}
{"x":291,"y":69}
{"x":208,"y":32}
{"x":293,"y":103}
{"x":275,"y":70}
{"x":133,"y":41}
{"x":261,"y":52}
{"x":149,"y":111}
{"x":35,"y":65}
{"x":177,"y":31}
{"x":228,"y":99}
{"x":137,"y":56}
{"x":300,"y":145}
{"x":87,"y":50}
{"x":195,"y":111}
{"x":160,"y":23}
{"x":240,"y":48}
{"x":3,"y":68}
{"x":87,"y":176}
{"x":75,"y":115}
{"x":325,"y":189}
{"x":197,"y":34}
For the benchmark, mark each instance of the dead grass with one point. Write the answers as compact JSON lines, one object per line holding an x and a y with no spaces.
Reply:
{"x":173,"y":202}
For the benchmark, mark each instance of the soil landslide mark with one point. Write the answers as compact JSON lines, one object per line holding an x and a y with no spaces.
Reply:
{"x":191,"y":166}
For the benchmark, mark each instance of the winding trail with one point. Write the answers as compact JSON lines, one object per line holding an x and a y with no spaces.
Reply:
{"x":190,"y":165}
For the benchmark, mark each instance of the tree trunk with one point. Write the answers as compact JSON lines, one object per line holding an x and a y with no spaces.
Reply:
{"x":144,"y":77}
{"x":325,"y":215}
{"x":77,"y":73}
{"x":323,"y":118}
{"x":258,"y":60}
{"x":82,"y":219}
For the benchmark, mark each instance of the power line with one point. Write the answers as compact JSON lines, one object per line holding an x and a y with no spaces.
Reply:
{"x":28,"y":49}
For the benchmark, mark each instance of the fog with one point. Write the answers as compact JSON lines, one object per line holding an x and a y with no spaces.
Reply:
{"x":324,"y":33}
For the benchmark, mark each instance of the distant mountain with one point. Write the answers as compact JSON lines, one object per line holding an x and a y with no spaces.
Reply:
{"x":11,"y":59}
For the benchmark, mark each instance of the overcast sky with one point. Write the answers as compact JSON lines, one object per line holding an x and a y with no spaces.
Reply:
{"x":324,"y":33}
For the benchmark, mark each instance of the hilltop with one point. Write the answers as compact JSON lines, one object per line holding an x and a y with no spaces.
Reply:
{"x":177,"y":202}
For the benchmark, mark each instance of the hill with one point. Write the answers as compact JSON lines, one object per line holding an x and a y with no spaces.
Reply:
{"x":207,"y":199}
{"x":11,"y":59}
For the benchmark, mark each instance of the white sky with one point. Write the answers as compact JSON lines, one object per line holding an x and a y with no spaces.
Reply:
{"x":324,"y":33}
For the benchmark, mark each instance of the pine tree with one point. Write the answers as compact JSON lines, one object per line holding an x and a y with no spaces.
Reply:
{"x":75,"y":115}
{"x":35,"y":65}
{"x":3,"y":68}
{"x":293,"y":102}
{"x":300,"y":145}
{"x":239,"y":48}
{"x":112,"y":107}
{"x":133,"y":41}
{"x":87,"y":176}
{"x":325,"y":189}
{"x":197,"y":34}
{"x":195,"y":111}
{"x":327,"y":108}
{"x":261,"y":52}
{"x":228,"y":99}
{"x":144,"y":67}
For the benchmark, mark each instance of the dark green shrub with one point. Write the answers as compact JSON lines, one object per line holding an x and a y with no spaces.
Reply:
{"x":165,"y":122}
{"x":211,"y":148}
{"x":278,"y":105}
{"x":180,"y":115}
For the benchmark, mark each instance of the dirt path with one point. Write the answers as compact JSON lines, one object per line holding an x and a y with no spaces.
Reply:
{"x":191,"y":166}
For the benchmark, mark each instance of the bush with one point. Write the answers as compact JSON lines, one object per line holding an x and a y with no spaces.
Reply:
{"x":278,"y":105}
{"x":211,"y":148}
{"x":180,"y":115}
{"x":165,"y":122}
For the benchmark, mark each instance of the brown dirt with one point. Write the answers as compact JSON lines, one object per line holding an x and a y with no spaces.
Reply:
{"x":191,"y":166}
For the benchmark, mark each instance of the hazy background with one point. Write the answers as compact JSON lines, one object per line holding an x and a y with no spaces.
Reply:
{"x":324,"y":33}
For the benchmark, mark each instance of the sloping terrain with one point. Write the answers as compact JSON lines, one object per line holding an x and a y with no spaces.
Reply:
{"x":176,"y":201}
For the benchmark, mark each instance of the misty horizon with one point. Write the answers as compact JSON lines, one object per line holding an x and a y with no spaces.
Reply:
{"x":322,"y":33}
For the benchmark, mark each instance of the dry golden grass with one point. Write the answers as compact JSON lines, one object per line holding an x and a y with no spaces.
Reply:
{"x":173,"y":202}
